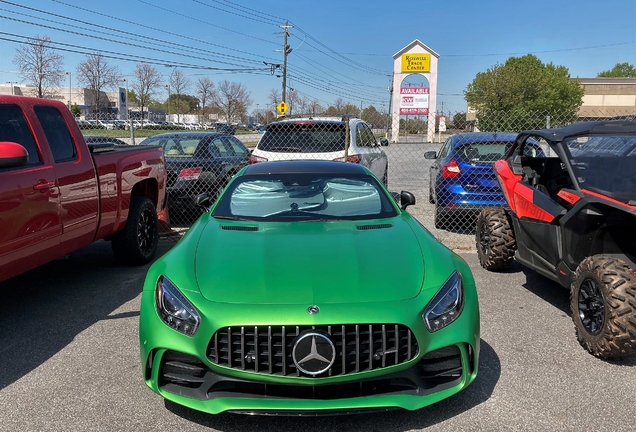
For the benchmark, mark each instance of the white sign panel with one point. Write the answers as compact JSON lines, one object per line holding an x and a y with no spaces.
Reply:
{"x":414,"y":100}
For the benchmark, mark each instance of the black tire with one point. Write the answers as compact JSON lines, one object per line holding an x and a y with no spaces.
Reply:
{"x":385,"y":178}
{"x":430,"y":196}
{"x":442,"y":220}
{"x":137,"y":243}
{"x":603,"y":303}
{"x":495,"y":239}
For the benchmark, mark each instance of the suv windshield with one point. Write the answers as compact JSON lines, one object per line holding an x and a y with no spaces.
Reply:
{"x":605,"y":164}
{"x":305,"y":197}
{"x":304,"y":137}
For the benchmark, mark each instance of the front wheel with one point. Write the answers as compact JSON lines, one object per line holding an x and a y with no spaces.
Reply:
{"x":495,"y":239}
{"x":137,"y":243}
{"x":603,"y":303}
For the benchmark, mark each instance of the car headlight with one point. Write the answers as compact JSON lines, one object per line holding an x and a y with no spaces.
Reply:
{"x":447,"y":304}
{"x":174,"y":309}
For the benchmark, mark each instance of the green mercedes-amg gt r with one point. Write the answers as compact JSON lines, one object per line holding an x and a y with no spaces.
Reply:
{"x":306,"y":288}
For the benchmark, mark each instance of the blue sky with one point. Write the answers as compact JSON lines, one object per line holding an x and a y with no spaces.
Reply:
{"x":340,"y":48}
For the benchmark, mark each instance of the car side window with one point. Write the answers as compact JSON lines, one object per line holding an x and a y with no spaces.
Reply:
{"x":57,"y":133}
{"x":14,"y":128}
{"x":362,"y":137}
{"x":218,"y":148}
{"x":237,"y":146}
{"x":445,"y":149}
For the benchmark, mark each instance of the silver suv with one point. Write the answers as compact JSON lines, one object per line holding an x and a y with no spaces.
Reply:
{"x":323,"y":138}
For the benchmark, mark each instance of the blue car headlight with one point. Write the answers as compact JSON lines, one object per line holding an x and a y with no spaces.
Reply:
{"x":447,"y":304}
{"x":174,"y":309}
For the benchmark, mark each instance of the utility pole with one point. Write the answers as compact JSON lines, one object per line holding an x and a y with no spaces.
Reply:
{"x":286,"y":51}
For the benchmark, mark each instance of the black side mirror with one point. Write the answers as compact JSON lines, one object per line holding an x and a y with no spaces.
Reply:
{"x":406,"y":199}
{"x":203,"y":200}
{"x":384,"y":142}
{"x":430,"y":155}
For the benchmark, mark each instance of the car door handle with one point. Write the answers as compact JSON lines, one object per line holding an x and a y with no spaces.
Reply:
{"x":43,"y":185}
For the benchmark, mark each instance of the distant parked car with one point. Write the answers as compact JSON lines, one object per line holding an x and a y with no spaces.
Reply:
{"x":197,"y":162}
{"x":225,"y":128}
{"x":462,"y":180}
{"x":323,"y":138}
{"x":98,"y":139}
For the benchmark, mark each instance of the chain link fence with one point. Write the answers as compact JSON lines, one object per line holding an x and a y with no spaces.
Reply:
{"x":449,"y":170}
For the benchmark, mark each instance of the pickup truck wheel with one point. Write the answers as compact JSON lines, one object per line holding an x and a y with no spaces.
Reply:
{"x":603,"y":303}
{"x":137,"y":243}
{"x":495,"y":239}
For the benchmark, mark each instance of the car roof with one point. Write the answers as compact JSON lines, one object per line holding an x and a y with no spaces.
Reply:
{"x":305,"y":167}
{"x":480,"y":137}
{"x":188,"y":134}
{"x":583,"y":128}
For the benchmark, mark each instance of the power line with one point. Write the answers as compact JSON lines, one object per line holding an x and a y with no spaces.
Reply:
{"x":120,"y":56}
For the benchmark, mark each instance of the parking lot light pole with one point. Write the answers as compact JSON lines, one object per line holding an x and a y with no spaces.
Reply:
{"x":69,"y":89}
{"x":167,"y":87}
{"x":130,"y":123}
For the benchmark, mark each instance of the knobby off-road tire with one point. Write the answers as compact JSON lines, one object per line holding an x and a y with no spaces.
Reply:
{"x":603,"y":303}
{"x":495,"y":239}
{"x":137,"y":243}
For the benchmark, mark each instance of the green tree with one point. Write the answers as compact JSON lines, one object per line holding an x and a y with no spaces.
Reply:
{"x":459,"y":120}
{"x":520,"y":94}
{"x":620,"y":70}
{"x":372,"y":116}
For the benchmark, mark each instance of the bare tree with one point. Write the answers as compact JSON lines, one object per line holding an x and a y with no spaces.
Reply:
{"x":274,"y":98}
{"x":179,"y":84}
{"x":339,"y":105}
{"x":315,"y":107}
{"x":40,"y":66}
{"x":145,"y":86}
{"x":97,"y":75}
{"x":205,"y":92}
{"x":232,"y":99}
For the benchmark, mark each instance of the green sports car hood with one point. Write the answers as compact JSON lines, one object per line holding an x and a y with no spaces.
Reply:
{"x":308,"y":262}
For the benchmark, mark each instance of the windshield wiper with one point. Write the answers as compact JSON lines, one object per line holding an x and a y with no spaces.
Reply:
{"x":233,"y":218}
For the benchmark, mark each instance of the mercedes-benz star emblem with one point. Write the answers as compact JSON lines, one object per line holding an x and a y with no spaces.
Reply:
{"x":313,"y":310}
{"x":313,"y":352}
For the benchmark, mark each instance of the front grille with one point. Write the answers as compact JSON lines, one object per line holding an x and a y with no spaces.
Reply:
{"x":268,"y":349}
{"x":186,"y":375}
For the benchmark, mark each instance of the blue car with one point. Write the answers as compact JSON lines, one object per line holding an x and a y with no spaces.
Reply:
{"x":462,"y":180}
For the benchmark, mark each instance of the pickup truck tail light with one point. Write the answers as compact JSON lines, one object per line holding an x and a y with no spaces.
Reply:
{"x":190,"y":173}
{"x":257,"y":159}
{"x":356,"y":159}
{"x":451,"y":169}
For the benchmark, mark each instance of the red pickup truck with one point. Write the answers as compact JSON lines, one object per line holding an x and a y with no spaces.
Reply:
{"x":58,"y":194}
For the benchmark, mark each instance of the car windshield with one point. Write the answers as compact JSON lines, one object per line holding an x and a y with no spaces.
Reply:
{"x":303,"y":137}
{"x":605,"y":164}
{"x":483,"y":152}
{"x":304,"y":197}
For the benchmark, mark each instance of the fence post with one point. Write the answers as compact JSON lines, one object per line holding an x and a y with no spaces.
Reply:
{"x":547,"y":121}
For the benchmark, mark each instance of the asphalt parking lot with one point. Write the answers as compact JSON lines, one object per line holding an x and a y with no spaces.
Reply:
{"x":70,"y":361}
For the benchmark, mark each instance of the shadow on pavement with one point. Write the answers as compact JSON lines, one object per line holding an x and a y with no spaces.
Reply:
{"x":44,"y":309}
{"x":391,"y":421}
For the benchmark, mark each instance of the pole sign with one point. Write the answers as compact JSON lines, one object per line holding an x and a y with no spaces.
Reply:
{"x":414,"y":100}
